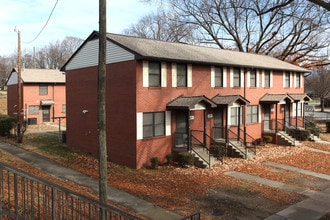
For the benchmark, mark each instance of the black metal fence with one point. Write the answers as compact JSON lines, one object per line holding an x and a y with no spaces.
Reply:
{"x":23,"y":196}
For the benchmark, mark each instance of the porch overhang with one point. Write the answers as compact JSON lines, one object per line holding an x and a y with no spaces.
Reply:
{"x":47,"y":102}
{"x":229,"y":100}
{"x":275,"y":99}
{"x":300,"y":97}
{"x":191,"y":103}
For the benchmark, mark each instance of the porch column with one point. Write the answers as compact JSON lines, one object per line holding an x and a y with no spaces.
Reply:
{"x":296,"y":115}
{"x":227,"y":127}
{"x":276,"y":126}
{"x":188,"y":127}
{"x":204,"y":132}
{"x":238,"y":124}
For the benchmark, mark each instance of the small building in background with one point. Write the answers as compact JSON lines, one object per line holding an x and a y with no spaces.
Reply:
{"x":43,"y":95}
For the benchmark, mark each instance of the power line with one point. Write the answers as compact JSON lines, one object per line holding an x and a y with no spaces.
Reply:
{"x":50,"y":15}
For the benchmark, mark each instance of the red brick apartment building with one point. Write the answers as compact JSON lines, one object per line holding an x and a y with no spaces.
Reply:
{"x":43,"y":95}
{"x":165,"y":97}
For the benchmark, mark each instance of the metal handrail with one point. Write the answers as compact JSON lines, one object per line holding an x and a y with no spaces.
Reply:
{"x":252,"y":142}
{"x":207,"y":160}
{"x":25,"y":196}
{"x":238,"y":140}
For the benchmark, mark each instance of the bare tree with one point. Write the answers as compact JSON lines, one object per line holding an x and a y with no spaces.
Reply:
{"x":163,"y":27}
{"x":5,"y":68}
{"x":319,"y":83}
{"x":292,"y":31}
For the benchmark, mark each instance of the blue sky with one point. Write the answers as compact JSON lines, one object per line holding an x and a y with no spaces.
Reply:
{"x":76,"y":18}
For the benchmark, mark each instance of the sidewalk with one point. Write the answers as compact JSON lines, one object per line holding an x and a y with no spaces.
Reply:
{"x":140,"y":206}
{"x":313,"y":208}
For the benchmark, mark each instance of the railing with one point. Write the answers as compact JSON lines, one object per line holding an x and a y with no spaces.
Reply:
{"x":195,"y":144}
{"x":23,"y":196}
{"x":195,"y":216}
{"x":250,"y":142}
{"x":235,"y":140}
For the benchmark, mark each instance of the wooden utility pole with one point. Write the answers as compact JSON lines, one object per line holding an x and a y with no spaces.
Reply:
{"x":19,"y":89}
{"x":102,"y":143}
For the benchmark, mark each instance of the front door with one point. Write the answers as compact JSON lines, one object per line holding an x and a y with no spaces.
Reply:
{"x":46,"y":113}
{"x":181,"y":137}
{"x":218,"y":124}
{"x":266,"y":117}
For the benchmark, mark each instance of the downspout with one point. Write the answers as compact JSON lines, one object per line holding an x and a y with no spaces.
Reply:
{"x":244,"y":108}
{"x":276,"y":128}
{"x":204,"y":133}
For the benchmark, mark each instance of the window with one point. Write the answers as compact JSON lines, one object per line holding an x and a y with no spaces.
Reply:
{"x":235,"y":113}
{"x":252,"y":114}
{"x":267,"y":79}
{"x":153,"y":124}
{"x":237,"y":77}
{"x":253,"y":78}
{"x":43,"y":89}
{"x":287,"y":80}
{"x":181,"y":75}
{"x":34,"y":109}
{"x":298,"y":82}
{"x":218,"y":76}
{"x":154,"y":74}
{"x":63,"y":108}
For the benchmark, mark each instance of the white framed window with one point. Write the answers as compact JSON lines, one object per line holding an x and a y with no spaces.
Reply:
{"x":153,"y":124}
{"x":33,"y":109}
{"x":297,"y":82}
{"x":253,"y":78}
{"x":154,"y":74}
{"x":43,"y":89}
{"x":286,"y":79}
{"x":235,"y":114}
{"x":218,"y":76}
{"x":252,"y":113}
{"x":181,"y":75}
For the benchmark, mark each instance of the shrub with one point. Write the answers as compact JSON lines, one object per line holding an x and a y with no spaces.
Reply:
{"x":328,"y":126}
{"x":302,"y":135}
{"x":6,"y":124}
{"x":268,"y":139}
{"x":154,"y":162}
{"x":185,"y":159}
{"x":169,"y":158}
{"x":217,"y":151}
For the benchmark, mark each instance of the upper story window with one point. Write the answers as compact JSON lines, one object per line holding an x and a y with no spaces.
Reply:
{"x":253,"y":78}
{"x":218,"y":76}
{"x":153,"y":124}
{"x":298,"y":81}
{"x":287,"y":80}
{"x":236,"y":77}
{"x":181,"y":75}
{"x":267,"y":79}
{"x":154,"y":74}
{"x":43,"y":89}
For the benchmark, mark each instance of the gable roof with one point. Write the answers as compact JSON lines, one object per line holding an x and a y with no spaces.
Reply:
{"x":229,"y":100}
{"x":275,"y":98}
{"x":39,"y":76}
{"x":152,"y":49}
{"x":189,"y":102}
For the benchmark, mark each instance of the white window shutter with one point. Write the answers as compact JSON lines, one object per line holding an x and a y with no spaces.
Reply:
{"x":257,"y":78}
{"x":231,"y":77}
{"x":225,"y":77}
{"x":212,"y":77}
{"x":174,"y":75}
{"x":145,"y":74}
{"x":163,"y":75}
{"x":168,"y":123}
{"x":189,"y":75}
{"x":242,"y":77}
{"x":263,"y":79}
{"x":271,"y":78}
{"x":139,"y":126}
